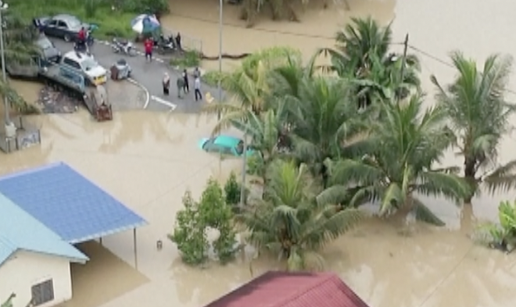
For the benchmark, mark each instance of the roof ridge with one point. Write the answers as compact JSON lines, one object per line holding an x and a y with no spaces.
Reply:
{"x":324,"y":278}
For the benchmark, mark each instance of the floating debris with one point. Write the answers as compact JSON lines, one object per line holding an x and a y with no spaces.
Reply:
{"x":54,"y":101}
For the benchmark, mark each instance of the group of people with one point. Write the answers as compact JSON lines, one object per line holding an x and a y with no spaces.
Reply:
{"x":183,"y":84}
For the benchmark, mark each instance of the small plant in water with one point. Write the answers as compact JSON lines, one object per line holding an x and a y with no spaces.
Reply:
{"x":503,"y":235}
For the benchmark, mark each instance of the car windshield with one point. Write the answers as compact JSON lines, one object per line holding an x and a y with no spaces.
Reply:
{"x":44,"y":43}
{"x":89,"y":64}
{"x":73,"y":22}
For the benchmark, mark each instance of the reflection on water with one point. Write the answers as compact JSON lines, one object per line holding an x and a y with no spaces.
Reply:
{"x":148,"y":160}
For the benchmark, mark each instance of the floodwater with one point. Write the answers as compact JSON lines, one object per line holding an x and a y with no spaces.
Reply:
{"x":147,"y":160}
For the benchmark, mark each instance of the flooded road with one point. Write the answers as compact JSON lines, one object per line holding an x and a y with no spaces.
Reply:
{"x":148,"y":160}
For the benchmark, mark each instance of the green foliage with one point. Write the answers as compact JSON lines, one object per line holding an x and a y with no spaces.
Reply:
{"x":143,"y":6}
{"x":90,"y":8}
{"x":189,"y":233}
{"x":111,"y":22}
{"x":477,"y":107}
{"x":502,"y":235}
{"x":9,"y":301}
{"x":192,"y":222}
{"x":188,"y":59}
{"x":291,"y":222}
{"x":232,"y":190}
{"x":213,"y":77}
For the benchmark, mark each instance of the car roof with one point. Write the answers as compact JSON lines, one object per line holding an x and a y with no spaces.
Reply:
{"x":78,"y":57}
{"x":65,"y":17}
{"x":226,"y":140}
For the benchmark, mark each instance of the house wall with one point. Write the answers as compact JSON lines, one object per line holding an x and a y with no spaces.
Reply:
{"x":24,"y":269}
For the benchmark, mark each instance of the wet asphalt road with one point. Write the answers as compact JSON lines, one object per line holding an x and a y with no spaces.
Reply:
{"x":148,"y":75}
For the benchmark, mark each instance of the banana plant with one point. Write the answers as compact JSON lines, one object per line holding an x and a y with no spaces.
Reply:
{"x":503,"y":235}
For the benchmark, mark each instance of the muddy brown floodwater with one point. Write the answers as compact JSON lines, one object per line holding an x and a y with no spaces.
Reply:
{"x":148,"y":160}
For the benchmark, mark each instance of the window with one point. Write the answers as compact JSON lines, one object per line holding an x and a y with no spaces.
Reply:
{"x":71,"y":63}
{"x":43,"y":293}
{"x":62,"y":24}
{"x":53,"y":23}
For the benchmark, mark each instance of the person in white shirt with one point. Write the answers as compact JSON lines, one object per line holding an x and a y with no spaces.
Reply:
{"x":197,"y":87}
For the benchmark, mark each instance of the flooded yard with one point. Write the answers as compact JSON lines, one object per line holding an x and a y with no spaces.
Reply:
{"x":147,"y":160}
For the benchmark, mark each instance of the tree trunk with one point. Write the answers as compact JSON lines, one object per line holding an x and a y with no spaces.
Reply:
{"x":466,"y":218}
{"x":469,"y":175}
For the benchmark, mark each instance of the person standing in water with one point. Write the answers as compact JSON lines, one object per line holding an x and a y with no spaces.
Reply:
{"x":166,"y":84}
{"x":185,"y":78}
{"x":197,"y":87}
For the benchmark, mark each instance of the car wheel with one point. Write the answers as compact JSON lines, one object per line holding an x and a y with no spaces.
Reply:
{"x":67,"y":38}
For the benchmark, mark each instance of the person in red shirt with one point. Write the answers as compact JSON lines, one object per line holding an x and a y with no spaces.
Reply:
{"x":149,"y":44}
{"x":81,"y":36}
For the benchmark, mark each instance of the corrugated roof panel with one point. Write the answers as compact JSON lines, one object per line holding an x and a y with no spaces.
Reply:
{"x":284,"y":289}
{"x":68,"y":203}
{"x":20,"y":231}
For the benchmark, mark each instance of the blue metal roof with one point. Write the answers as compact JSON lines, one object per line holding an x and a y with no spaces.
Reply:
{"x":68,"y":203}
{"x":20,"y":231}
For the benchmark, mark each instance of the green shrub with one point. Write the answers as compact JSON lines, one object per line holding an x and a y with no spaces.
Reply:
{"x":191,"y":224}
{"x":232,"y":190}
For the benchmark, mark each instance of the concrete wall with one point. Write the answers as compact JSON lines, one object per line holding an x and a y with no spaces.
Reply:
{"x":24,"y":269}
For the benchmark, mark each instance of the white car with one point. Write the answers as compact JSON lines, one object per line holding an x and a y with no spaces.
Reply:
{"x":87,"y":65}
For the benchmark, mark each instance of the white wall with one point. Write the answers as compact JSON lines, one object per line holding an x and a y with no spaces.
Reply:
{"x":25,"y":269}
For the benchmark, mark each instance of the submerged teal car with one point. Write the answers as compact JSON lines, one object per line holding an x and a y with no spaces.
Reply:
{"x":223,"y":144}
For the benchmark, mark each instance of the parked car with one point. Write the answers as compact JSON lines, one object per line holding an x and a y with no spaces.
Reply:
{"x":63,"y":26}
{"x":224,"y":144}
{"x":48,"y":49}
{"x":87,"y":65}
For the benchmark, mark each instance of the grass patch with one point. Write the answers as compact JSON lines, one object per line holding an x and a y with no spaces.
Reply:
{"x":111,"y":23}
{"x":212,"y":78}
{"x":188,"y":59}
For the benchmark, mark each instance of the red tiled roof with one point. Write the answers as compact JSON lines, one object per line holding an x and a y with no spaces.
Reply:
{"x":284,"y":289}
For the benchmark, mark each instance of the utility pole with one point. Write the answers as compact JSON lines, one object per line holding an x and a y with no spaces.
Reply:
{"x":219,"y":85}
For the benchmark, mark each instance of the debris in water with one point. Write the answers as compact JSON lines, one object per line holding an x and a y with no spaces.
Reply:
{"x":54,"y":101}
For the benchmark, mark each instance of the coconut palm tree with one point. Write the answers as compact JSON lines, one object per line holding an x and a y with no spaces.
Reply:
{"x":250,"y":84}
{"x":480,"y":114}
{"x":322,"y":122}
{"x":403,"y":149}
{"x":362,"y":55}
{"x":290,"y":222}
{"x":266,"y":131}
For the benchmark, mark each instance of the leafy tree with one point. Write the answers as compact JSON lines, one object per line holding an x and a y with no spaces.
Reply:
{"x":189,"y":233}
{"x":291,"y":222}
{"x":402,"y":150}
{"x":191,"y":225}
{"x":480,"y":116}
